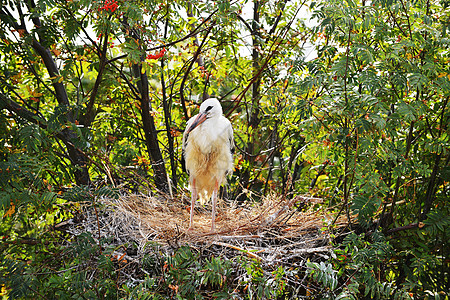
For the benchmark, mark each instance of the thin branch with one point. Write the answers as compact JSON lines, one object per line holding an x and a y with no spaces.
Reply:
{"x":194,"y":58}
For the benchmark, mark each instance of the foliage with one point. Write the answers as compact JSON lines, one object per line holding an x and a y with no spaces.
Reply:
{"x":83,"y":270}
{"x":376,"y":103}
{"x":365,"y":265}
{"x":381,"y":108}
{"x":185,"y":275}
{"x":95,"y":94}
{"x":323,"y":273}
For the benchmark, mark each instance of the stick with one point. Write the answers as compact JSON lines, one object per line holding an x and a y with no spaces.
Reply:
{"x":250,"y":254}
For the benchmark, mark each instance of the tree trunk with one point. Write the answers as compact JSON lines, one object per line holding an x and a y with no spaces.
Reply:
{"x":168,"y":120}
{"x":151,"y":138}
{"x":77,"y":158}
{"x":254,"y":110}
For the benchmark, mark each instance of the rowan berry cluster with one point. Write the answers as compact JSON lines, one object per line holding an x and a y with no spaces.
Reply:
{"x":157,"y":55}
{"x":110,"y":5}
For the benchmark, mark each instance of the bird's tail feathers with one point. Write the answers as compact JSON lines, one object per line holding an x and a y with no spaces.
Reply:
{"x":204,"y":197}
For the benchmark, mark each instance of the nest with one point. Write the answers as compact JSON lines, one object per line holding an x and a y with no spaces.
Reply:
{"x":275,"y":229}
{"x":274,"y":232}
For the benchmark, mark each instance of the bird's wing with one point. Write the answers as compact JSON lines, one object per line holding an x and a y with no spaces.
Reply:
{"x":228,"y":136}
{"x":183,"y":161}
{"x":231,"y":139}
{"x":185,"y":133}
{"x":185,"y":141}
{"x":230,"y":142}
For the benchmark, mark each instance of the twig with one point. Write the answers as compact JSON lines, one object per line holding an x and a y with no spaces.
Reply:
{"x":250,"y":254}
{"x":406,"y":227}
{"x":61,"y":271}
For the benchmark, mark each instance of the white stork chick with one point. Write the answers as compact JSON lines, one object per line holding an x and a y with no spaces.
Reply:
{"x":208,"y":148}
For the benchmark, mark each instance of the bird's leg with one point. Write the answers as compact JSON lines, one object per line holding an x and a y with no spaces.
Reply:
{"x":193,"y":199}
{"x":214,"y":202}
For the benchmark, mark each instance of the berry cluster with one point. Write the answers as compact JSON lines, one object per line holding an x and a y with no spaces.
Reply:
{"x":110,"y":5}
{"x":157,"y":55}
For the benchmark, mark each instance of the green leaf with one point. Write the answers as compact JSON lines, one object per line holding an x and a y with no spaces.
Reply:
{"x":406,"y":111}
{"x":418,"y":80}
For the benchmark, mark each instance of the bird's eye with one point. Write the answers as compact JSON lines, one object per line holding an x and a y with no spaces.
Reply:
{"x":208,"y":108}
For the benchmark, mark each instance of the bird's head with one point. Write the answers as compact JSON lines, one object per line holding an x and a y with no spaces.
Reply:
{"x":210,"y":108}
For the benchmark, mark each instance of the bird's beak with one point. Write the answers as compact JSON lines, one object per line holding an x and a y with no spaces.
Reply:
{"x":199,"y":120}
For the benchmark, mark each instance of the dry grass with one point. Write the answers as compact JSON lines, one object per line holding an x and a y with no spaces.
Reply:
{"x":158,"y":220}
{"x":275,"y":231}
{"x":291,"y":225}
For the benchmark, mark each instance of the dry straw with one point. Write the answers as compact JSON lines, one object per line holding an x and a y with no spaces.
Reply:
{"x":271,"y":230}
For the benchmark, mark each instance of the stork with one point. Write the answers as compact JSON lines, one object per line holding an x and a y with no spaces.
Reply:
{"x":208,"y":148}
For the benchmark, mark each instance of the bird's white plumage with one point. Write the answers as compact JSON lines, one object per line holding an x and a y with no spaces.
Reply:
{"x":208,"y":150}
